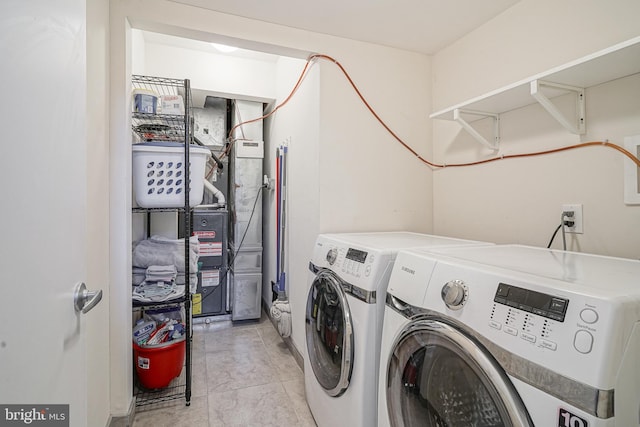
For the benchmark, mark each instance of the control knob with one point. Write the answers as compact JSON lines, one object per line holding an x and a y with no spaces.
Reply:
{"x":332,"y":255}
{"x":454,"y":294}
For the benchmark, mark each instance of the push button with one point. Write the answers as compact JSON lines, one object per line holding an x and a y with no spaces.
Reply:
{"x":589,"y":316}
{"x":558,"y":305}
{"x":528,"y":337}
{"x":583,"y":341}
{"x":510,"y":330}
{"x":495,"y":325}
{"x":548,"y":344}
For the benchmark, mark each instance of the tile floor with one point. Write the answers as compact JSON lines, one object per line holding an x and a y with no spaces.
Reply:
{"x":243,"y":375}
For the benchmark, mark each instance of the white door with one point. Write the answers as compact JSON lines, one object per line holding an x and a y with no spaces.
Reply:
{"x":43,"y":196}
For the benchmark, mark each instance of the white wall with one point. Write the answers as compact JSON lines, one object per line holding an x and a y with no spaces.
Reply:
{"x":368,"y":180}
{"x":98,"y":382}
{"x":296,"y":125}
{"x":209,"y":71}
{"x":364,"y":180}
{"x":520,"y":200}
{"x":138,"y":52}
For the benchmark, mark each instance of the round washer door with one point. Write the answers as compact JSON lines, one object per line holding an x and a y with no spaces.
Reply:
{"x":329,"y":333}
{"x":439,"y":376}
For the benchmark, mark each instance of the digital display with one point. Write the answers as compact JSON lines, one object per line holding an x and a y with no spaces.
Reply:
{"x":534,"y":302}
{"x":356,"y":255}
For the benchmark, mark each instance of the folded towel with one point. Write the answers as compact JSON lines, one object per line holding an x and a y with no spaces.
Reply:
{"x":161,"y":251}
{"x":162,"y":269}
{"x":157,"y":291}
{"x":161,"y":273}
{"x":137,"y":275}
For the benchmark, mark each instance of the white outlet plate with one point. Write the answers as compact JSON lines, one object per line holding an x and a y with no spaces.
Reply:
{"x":578,"y":226}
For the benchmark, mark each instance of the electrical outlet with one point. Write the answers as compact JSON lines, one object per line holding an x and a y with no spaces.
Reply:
{"x":578,"y":226}
{"x":269,"y":183}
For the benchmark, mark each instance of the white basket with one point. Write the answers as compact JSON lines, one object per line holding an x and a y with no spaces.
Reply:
{"x":158,"y":174}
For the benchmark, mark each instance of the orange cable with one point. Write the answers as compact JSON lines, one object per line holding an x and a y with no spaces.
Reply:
{"x":282,"y":104}
{"x":411,"y":150}
{"x":554,"y":150}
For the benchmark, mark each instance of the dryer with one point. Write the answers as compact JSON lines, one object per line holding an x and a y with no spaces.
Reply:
{"x":345,"y":306}
{"x":511,"y":335}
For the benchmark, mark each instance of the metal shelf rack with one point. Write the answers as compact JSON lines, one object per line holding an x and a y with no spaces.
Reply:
{"x":174,"y":128}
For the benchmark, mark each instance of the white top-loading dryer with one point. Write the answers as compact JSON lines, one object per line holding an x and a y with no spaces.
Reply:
{"x":511,"y":335}
{"x":345,"y":308}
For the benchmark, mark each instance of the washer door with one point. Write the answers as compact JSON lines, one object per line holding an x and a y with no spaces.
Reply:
{"x":329,"y":333}
{"x":439,"y":376}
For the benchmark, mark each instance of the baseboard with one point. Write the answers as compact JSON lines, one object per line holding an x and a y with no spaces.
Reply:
{"x":125,"y":420}
{"x":297,"y":356}
{"x":294,"y":352}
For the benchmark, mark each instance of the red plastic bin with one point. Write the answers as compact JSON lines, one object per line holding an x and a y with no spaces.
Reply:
{"x":157,"y":365}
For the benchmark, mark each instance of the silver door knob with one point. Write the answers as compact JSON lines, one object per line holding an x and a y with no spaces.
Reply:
{"x":84,"y":300}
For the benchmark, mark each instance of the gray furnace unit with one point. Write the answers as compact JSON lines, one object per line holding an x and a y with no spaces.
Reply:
{"x":212,"y":295}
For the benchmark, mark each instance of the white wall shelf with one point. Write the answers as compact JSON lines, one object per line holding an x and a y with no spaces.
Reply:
{"x":620,"y":60}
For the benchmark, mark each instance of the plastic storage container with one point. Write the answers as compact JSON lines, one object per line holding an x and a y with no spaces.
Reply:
{"x":158,"y":365}
{"x":158,"y":174}
{"x":145,"y":101}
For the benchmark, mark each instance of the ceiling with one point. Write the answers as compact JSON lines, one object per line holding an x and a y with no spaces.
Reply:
{"x":424,"y":26}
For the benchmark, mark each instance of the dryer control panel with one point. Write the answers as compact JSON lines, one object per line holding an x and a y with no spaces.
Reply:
{"x":542,"y":319}
{"x":529,"y":314}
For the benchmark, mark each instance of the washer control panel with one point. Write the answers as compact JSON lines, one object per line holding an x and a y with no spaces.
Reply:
{"x":354,"y":261}
{"x":349,"y":261}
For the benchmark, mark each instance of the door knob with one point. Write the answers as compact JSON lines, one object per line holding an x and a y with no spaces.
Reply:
{"x":84,"y":300}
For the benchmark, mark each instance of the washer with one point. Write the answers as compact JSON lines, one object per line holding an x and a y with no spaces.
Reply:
{"x":510,"y":335}
{"x":345,"y":306}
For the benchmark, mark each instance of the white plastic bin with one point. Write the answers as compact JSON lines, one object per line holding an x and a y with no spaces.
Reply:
{"x":158,"y":174}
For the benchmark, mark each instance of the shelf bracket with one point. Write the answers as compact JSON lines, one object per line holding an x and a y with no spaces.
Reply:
{"x":457,"y":116}
{"x":579,"y":126}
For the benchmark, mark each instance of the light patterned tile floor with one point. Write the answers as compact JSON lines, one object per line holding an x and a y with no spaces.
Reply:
{"x":243,"y":375}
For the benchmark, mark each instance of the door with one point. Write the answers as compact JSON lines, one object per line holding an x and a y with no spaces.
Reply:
{"x":42,"y":168}
{"x":329,"y":332}
{"x":439,"y":376}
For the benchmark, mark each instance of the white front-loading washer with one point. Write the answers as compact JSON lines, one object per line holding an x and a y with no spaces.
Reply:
{"x":345,"y":308}
{"x":510,"y":335}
